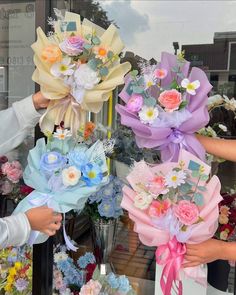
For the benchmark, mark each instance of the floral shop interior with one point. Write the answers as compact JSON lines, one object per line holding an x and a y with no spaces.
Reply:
{"x":131,"y":147}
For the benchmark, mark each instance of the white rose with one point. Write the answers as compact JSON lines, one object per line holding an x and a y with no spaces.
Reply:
{"x":142,"y":200}
{"x":85,"y":77}
{"x":70,"y":176}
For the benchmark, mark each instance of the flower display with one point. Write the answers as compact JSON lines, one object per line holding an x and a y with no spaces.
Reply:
{"x":63,"y":173}
{"x":165,"y":105}
{"x":227,"y":218}
{"x":11,"y":182}
{"x":105,"y":203}
{"x":182,"y":209}
{"x":16,"y":270}
{"x":82,"y":65}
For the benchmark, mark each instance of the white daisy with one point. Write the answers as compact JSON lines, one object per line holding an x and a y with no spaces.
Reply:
{"x":190,"y":86}
{"x":62,"y":133}
{"x":62,"y":68}
{"x":149,"y":80}
{"x":175,"y":178}
{"x":148,"y":115}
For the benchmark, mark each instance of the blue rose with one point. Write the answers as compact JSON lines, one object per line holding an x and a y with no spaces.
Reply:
{"x":112,"y":281}
{"x":78,"y":159}
{"x":52,"y":161}
{"x":92,"y":174}
{"x":124,"y":285}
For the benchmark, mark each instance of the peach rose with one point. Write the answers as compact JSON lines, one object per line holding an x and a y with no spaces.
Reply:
{"x":170,"y":100}
{"x":186,"y":212}
{"x":52,"y":54}
{"x":223,"y":219}
{"x":159,"y":208}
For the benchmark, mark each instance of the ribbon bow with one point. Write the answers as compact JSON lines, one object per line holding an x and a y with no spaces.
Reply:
{"x":171,"y":255}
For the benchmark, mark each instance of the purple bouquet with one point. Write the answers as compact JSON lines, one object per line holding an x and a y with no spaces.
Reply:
{"x":165,"y":105}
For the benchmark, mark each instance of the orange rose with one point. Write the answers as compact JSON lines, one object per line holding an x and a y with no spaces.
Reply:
{"x":170,"y":100}
{"x":52,"y":54}
{"x":90,"y":126}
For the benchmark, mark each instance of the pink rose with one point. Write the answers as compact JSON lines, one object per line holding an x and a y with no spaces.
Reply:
{"x":160,"y":73}
{"x":186,"y":212}
{"x":13,"y":171}
{"x":135,"y":103}
{"x":159,"y":208}
{"x":157,"y":186}
{"x":6,"y":188}
{"x":170,"y":100}
{"x":91,"y":288}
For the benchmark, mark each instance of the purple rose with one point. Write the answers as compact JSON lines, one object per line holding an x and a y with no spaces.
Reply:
{"x":135,"y":103}
{"x":51,"y":162}
{"x":73,"y":45}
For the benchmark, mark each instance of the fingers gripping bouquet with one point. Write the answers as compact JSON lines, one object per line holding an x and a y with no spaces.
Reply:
{"x":165,"y":105}
{"x":64,"y":173}
{"x":77,"y":67}
{"x":172,"y":204}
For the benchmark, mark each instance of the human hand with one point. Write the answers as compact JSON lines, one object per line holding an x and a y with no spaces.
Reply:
{"x":43,"y":219}
{"x":40,"y":102}
{"x":204,"y":252}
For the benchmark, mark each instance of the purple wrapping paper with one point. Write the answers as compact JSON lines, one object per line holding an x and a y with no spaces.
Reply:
{"x":170,"y":140}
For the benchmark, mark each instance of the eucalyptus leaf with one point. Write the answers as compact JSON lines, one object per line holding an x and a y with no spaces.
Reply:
{"x":198,"y":199}
{"x":150,"y":102}
{"x":202,"y":188}
{"x":134,"y":73}
{"x":96,"y":40}
{"x":129,"y":88}
{"x":110,"y":54}
{"x":87,"y":46}
{"x":104,"y":71}
{"x":175,"y":69}
{"x":93,"y":64}
{"x":187,"y":198}
{"x":185,"y":188}
{"x":192,"y":183}
{"x":88,"y":36}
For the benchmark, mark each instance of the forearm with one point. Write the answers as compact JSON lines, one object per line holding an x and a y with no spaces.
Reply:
{"x":14,"y":230}
{"x":222,"y":148}
{"x":228,"y":251}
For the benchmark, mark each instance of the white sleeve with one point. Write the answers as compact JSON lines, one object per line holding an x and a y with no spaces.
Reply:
{"x":16,"y":123}
{"x":14,"y":230}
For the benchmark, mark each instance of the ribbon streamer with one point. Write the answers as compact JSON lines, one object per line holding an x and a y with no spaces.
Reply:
{"x":171,"y":255}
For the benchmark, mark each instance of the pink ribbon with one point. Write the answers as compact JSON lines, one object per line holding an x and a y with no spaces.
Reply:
{"x":61,"y":107}
{"x":171,"y":255}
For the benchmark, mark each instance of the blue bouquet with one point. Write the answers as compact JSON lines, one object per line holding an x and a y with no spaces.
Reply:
{"x":63,"y":173}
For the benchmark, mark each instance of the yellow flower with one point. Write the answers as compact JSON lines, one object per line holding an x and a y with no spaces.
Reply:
{"x":12,"y":271}
{"x":18,"y":265}
{"x":10,"y":279}
{"x":8,"y":288}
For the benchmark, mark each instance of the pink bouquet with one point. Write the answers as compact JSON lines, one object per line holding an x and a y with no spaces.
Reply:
{"x":172,"y":204}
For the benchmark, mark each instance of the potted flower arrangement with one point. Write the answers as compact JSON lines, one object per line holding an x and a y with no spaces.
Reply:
{"x":103,"y":208}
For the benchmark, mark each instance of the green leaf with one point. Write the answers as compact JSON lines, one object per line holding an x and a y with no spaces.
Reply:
{"x":88,"y":36}
{"x":104,"y":71}
{"x":134,"y":73}
{"x":195,"y":173}
{"x":129,"y":88}
{"x":150,"y":102}
{"x":96,"y":40}
{"x":93,"y":64}
{"x":96,"y":274}
{"x":202,"y":188}
{"x":110,"y":54}
{"x":174,"y":85}
{"x":186,"y":197}
{"x":177,"y":169}
{"x":185,"y":188}
{"x":183,"y":104}
{"x":192,"y":183}
{"x":87,"y":46}
{"x":198,"y":199}
{"x":137,"y":89}
{"x":184,"y":228}
{"x":175,"y":69}
{"x":204,"y":177}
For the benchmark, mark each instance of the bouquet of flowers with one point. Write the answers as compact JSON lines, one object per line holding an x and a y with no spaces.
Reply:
{"x":77,"y":67}
{"x":16,"y":270}
{"x":165,"y":106}
{"x":68,"y":276}
{"x":227,"y":218}
{"x":110,"y":284}
{"x":64,"y":173}
{"x":11,"y":184}
{"x":105,"y":203}
{"x":172,"y":204}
